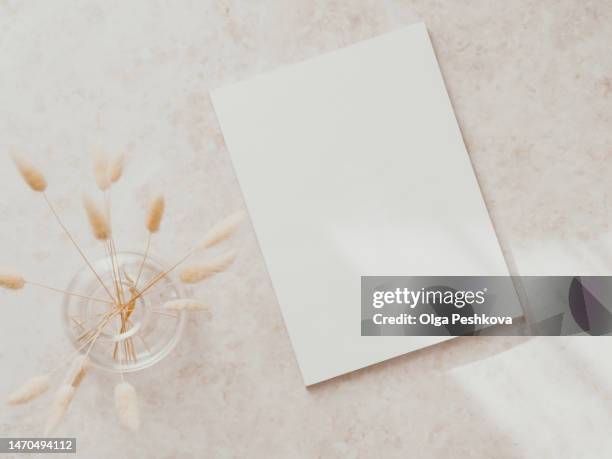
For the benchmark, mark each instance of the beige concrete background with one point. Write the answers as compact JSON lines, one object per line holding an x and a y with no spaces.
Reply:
{"x":531,"y":83}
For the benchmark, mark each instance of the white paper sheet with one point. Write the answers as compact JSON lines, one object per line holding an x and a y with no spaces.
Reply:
{"x":352,"y":164}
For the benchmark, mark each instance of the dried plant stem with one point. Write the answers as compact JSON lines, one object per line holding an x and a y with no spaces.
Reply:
{"x":59,"y":220}
{"x":68,"y":293}
{"x":127,"y":345}
{"x":66,"y":391}
{"x":118,"y":282}
{"x":163,"y":274}
{"x":121,"y":363}
{"x":68,"y":358}
{"x":112,"y":250}
{"x":126,"y":311}
{"x":89,"y":342}
{"x":103,"y":323}
{"x":218,"y":233}
{"x":71,"y":356}
{"x":78,"y":324}
{"x":144,"y":343}
{"x":76,"y":371}
{"x":109,"y":252}
{"x":133,"y":349}
{"x":144,"y":259}
{"x":159,"y":288}
{"x":112,"y":262}
{"x":91,"y":332}
{"x":116,"y":345}
{"x":153,"y":221}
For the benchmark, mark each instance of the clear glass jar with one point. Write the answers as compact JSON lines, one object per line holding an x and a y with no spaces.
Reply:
{"x":152,"y":332}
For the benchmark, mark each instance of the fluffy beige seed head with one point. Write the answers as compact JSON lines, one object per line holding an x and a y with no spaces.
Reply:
{"x":10,"y":279}
{"x":97,"y":220}
{"x":101,"y":173}
{"x":32,"y":176}
{"x":31,"y":389}
{"x":199,"y":272}
{"x":156,"y":212}
{"x":116,"y":168}
{"x":126,"y":404}
{"x":188,"y":304}
{"x":222,"y":230}
{"x":59,"y":406}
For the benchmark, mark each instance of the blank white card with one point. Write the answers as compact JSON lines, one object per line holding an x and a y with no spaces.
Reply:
{"x":352,"y":164}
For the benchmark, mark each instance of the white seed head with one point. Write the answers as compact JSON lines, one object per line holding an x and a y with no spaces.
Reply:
{"x":155,"y":214}
{"x":126,"y":404}
{"x":59,"y":406}
{"x":198,"y":272}
{"x":29,"y":390}
{"x":101,"y":173}
{"x":222,"y":230}
{"x":32,"y":176}
{"x":116,"y":167}
{"x":97,"y":220}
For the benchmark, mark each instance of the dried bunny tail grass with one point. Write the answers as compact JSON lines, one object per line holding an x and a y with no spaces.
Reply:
{"x":32,"y":176}
{"x":65,"y":393}
{"x":126,"y":404}
{"x":156,"y":212}
{"x":59,"y":406}
{"x":185,"y":303}
{"x":116,"y":168}
{"x":222,"y":230}
{"x":29,"y":390}
{"x":100,"y":171}
{"x":10,"y":279}
{"x":97,"y":220}
{"x":199,"y":272}
{"x":77,"y":370}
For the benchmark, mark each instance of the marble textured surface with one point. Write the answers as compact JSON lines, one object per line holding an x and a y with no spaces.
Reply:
{"x":531,"y":83}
